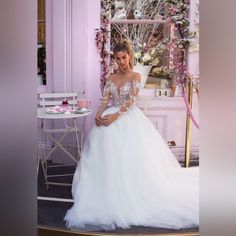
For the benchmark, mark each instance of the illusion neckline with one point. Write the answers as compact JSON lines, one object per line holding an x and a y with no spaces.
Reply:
{"x":122,"y":85}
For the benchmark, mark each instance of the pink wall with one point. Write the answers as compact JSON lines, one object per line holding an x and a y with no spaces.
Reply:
{"x":93,"y":63}
{"x":72,"y":58}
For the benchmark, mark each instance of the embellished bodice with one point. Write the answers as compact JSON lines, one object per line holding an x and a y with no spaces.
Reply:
{"x":118,"y":95}
{"x":122,"y":96}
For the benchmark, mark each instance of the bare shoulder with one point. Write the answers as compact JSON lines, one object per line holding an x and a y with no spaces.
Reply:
{"x":137,"y":76}
{"x":112,"y":77}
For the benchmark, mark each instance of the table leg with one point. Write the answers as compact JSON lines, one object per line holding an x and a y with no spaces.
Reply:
{"x":77,"y":137}
{"x":58,"y":144}
{"x":82,"y":134}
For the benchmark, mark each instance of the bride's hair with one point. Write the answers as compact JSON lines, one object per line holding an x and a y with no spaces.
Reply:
{"x":125,"y":46}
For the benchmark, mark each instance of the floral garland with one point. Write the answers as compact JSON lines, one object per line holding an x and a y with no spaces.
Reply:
{"x":102,"y":37}
{"x":177,"y":14}
{"x":179,"y":70}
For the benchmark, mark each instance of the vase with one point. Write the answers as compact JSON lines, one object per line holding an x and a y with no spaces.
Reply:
{"x":144,"y":71}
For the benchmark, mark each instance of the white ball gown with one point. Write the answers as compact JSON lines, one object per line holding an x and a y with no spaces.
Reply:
{"x":127,"y":175}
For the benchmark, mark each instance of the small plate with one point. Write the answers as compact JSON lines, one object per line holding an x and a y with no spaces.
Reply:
{"x":55,"y":112}
{"x":50,"y":111}
{"x":80,"y":111}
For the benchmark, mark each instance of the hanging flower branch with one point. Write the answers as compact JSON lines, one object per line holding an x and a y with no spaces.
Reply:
{"x":102,"y":37}
{"x":179,"y":70}
{"x":177,"y":14}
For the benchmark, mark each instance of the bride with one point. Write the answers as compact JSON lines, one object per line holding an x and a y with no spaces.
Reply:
{"x":127,"y":175}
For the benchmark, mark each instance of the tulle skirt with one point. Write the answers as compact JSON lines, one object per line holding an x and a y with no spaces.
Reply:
{"x":127,"y":176}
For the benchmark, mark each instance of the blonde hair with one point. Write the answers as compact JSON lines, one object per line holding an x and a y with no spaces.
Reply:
{"x":125,"y":46}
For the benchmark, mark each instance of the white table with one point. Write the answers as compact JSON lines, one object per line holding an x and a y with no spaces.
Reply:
{"x":43,"y":115}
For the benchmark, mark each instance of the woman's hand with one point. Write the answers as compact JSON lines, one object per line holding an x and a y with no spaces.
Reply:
{"x":98,"y":119}
{"x":108,"y":119}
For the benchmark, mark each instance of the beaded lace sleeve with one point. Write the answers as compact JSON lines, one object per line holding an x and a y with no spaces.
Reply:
{"x":105,"y":98}
{"x":130,"y":100}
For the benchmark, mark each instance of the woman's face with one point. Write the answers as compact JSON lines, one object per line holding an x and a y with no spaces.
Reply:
{"x":122,"y":59}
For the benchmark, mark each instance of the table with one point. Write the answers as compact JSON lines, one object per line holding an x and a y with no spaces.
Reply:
{"x":43,"y":115}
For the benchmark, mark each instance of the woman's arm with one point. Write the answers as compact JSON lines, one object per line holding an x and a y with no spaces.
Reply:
{"x":104,"y":102}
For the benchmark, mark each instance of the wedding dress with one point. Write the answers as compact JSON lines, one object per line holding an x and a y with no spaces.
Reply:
{"x":127,"y":175}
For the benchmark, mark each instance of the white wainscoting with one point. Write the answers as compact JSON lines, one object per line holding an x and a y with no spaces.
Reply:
{"x":169,"y":117}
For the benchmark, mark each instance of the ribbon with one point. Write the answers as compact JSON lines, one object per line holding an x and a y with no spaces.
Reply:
{"x":189,"y":110}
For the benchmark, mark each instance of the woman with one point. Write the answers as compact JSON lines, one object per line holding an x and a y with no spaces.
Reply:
{"x":127,"y":174}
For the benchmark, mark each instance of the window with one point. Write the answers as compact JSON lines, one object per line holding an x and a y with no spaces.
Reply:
{"x":41,"y":43}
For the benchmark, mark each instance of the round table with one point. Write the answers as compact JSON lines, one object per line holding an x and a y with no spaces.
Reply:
{"x":43,"y":115}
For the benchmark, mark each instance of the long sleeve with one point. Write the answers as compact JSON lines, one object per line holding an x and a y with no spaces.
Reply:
{"x":105,"y":98}
{"x":130,"y":100}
